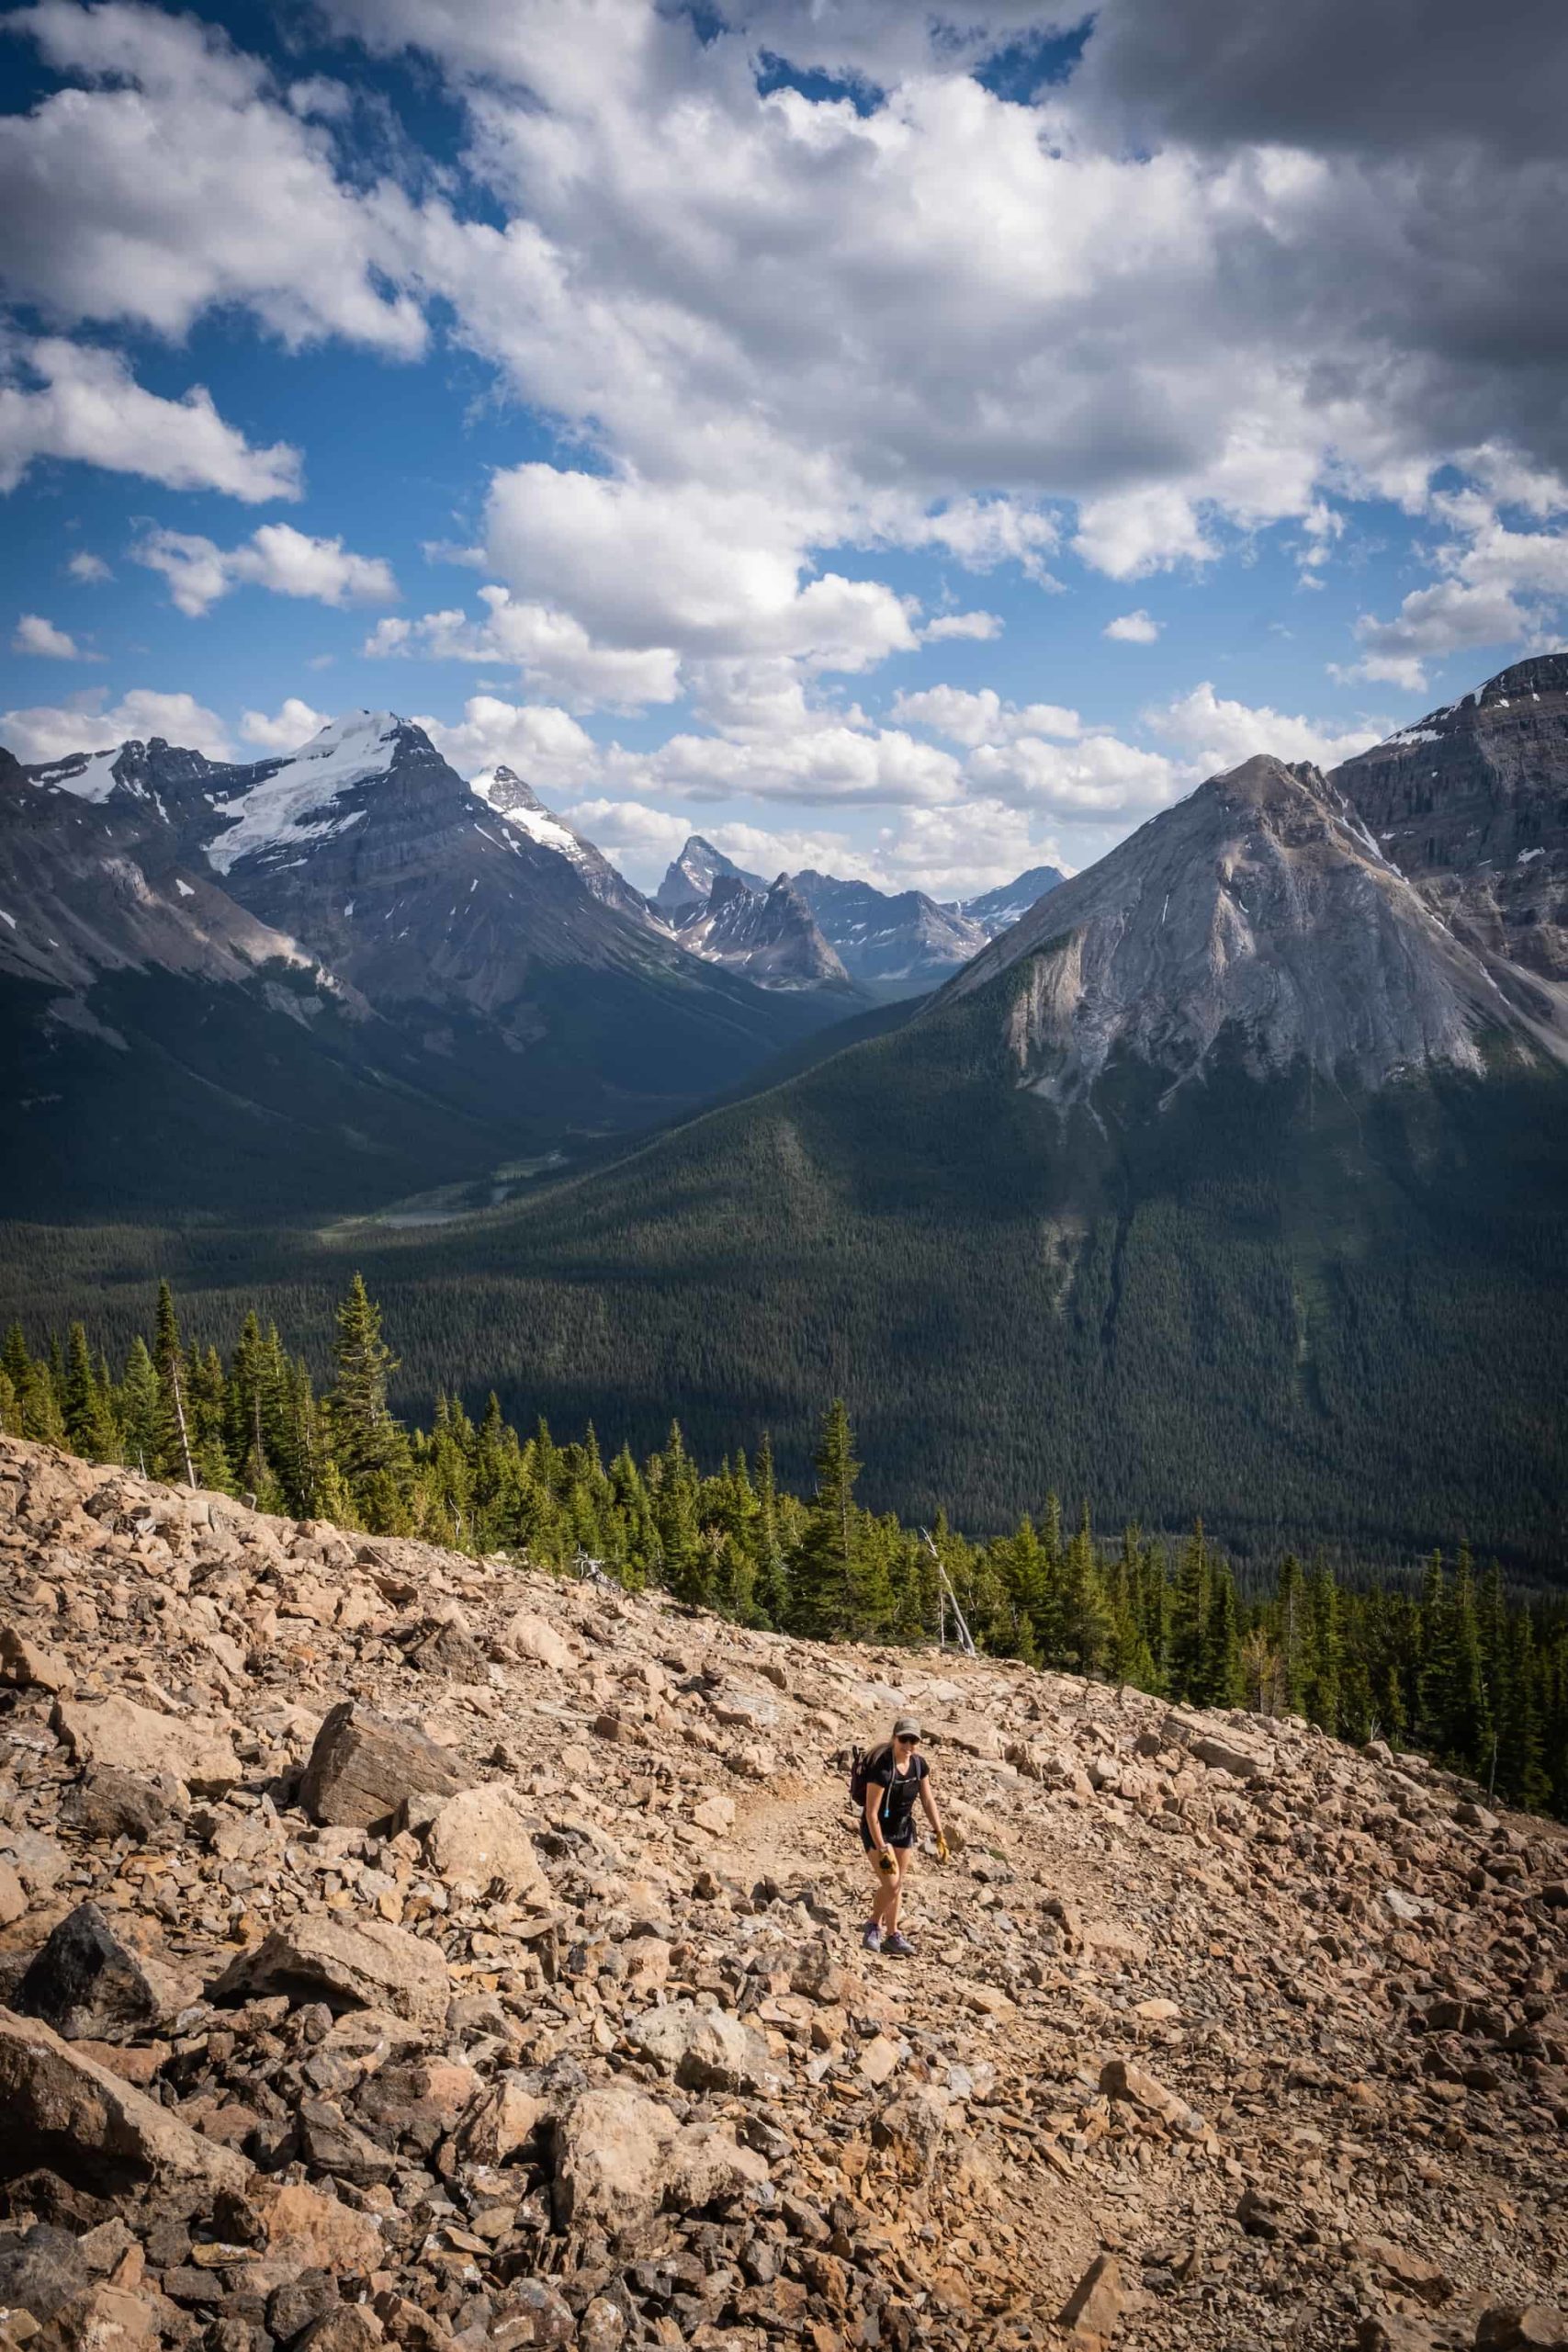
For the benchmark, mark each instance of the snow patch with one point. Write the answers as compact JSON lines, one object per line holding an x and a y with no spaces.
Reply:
{"x":89,"y":779}
{"x":6,"y":917}
{"x":299,"y":801}
{"x":185,"y":888}
{"x":537,"y":823}
{"x":1525,"y":855}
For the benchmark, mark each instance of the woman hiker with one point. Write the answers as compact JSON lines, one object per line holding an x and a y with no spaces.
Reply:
{"x":895,"y":1776}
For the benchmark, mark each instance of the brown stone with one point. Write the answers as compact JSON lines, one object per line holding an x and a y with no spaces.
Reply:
{"x":364,"y":1769}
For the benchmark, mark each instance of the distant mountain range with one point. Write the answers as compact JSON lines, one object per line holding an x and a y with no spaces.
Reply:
{"x":887,"y":945}
{"x":1233,"y":1173}
{"x":328,"y":980}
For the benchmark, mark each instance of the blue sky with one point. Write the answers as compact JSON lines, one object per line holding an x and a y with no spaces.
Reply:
{"x":913,"y":450}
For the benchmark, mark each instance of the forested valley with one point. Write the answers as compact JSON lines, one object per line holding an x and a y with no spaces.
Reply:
{"x":1457,"y":1664}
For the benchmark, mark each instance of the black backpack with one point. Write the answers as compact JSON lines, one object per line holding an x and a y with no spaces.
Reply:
{"x":862,"y":1763}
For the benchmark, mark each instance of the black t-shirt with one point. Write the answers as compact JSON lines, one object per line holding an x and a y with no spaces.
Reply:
{"x":900,"y":1789}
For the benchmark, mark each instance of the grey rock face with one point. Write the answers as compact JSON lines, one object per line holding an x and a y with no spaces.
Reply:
{"x":1471,"y":803}
{"x":768,"y":934}
{"x":689,"y":879}
{"x":1259,"y":910}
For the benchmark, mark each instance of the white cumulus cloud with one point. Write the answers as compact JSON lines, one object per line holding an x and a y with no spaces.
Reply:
{"x":66,"y":400}
{"x":1132,"y":628}
{"x":89,"y":723}
{"x":277,"y":557}
{"x":33,"y":634}
{"x":292,"y":724}
{"x":545,"y":745}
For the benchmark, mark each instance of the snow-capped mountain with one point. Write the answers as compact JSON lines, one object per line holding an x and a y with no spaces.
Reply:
{"x":893,"y":943}
{"x":504,"y":791}
{"x":997,"y":910}
{"x":689,"y":879}
{"x":501,"y":975}
{"x":769,"y":935}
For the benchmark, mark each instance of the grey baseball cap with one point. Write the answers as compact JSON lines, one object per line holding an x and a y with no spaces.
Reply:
{"x":906,"y":1728}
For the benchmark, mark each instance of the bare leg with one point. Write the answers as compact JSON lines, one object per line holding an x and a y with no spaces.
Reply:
{"x":905,"y":1857}
{"x":884,"y":1910}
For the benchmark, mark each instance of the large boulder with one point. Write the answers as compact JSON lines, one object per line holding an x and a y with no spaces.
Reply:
{"x":364,"y":1769}
{"x":137,"y":1740}
{"x":350,"y":1964}
{"x":706,"y":2050}
{"x":481,"y":1837}
{"x":60,"y":2109}
{"x":621,"y":2155}
{"x":528,"y":1635}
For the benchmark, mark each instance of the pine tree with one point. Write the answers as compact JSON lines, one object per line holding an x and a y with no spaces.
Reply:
{"x":823,"y":1574}
{"x":140,"y":1408}
{"x":1321,"y":1654}
{"x":772,"y":1584}
{"x":1290,"y":1617}
{"x":1084,"y":1620}
{"x":90,"y":1427}
{"x":1189,"y":1618}
{"x":368,"y":1446}
{"x":1224,"y":1684}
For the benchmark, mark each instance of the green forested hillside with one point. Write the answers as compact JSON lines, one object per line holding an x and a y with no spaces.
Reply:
{"x":1314,"y":1314}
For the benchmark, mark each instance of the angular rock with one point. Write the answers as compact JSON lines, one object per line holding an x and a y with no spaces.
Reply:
{"x":116,"y":1731}
{"x":706,"y":2050}
{"x":40,"y":2270}
{"x":355,"y":1964}
{"x":531,"y":2311}
{"x":620,"y":2156}
{"x":32,"y":1665}
{"x":481,"y":1837}
{"x":1528,"y":2327}
{"x":108,"y":1802}
{"x":306,"y":2229}
{"x":529,"y":1635}
{"x":89,"y":1985}
{"x":1412,"y":2273}
{"x":363,"y":1768}
{"x":61,"y":2110}
{"x":1093,"y":2309}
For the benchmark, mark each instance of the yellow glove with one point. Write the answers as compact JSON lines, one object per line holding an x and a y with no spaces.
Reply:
{"x":941,"y":1847}
{"x":886,"y":1863}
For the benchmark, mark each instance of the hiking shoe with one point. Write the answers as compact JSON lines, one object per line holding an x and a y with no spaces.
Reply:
{"x":873,"y":1937}
{"x":898,"y":1946}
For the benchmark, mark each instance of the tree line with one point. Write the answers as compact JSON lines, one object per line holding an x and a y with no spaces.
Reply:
{"x":1459,"y":1668}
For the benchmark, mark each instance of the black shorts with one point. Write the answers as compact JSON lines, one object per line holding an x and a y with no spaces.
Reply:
{"x":901,"y":1837}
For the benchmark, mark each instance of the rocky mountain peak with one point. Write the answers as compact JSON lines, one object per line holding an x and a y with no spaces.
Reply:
{"x":689,"y":878}
{"x":1471,"y":803}
{"x":1259,"y":913}
{"x":769,"y":934}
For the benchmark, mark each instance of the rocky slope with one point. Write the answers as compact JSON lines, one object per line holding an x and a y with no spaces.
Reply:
{"x":769,"y":935}
{"x":397,"y":1948}
{"x":1471,"y":803}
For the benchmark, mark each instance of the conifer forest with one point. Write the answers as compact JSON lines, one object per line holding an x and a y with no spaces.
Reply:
{"x":1454,"y":1664}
